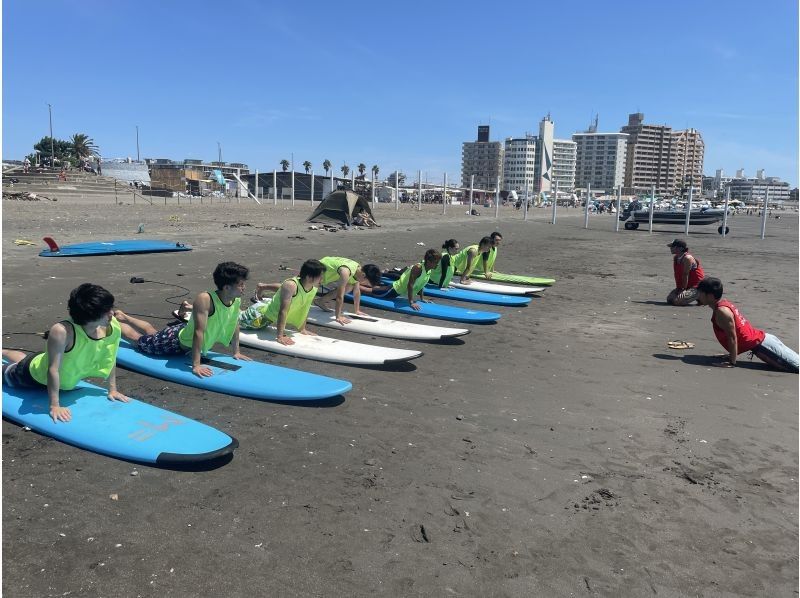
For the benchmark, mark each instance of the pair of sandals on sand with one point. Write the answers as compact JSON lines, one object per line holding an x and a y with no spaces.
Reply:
{"x":680,"y":345}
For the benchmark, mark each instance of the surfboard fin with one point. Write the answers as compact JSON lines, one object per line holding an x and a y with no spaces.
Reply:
{"x":52,"y":244}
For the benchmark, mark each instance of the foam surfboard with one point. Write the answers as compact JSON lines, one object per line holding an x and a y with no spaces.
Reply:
{"x":134,"y":431}
{"x":323,"y":348}
{"x":429,"y":310}
{"x":491,"y":287}
{"x":252,"y":379}
{"x":111,"y":248}
{"x":383,"y":327}
{"x":517,"y":279}
{"x":472,"y":296}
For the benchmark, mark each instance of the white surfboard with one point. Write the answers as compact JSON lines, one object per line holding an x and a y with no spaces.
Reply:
{"x":323,"y":348}
{"x":382,"y":326}
{"x":493,"y":287}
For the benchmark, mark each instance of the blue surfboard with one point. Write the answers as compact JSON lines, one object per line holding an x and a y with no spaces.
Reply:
{"x":115,"y":247}
{"x":429,"y":310}
{"x":251,"y":379}
{"x":133,"y":431}
{"x":431,"y":290}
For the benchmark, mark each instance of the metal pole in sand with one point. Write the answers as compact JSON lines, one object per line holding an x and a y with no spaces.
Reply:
{"x":688,"y":211}
{"x":312,"y":189}
{"x":652,"y":207}
{"x":419,"y":188}
{"x":764,"y":214}
{"x":444,"y":195}
{"x":274,"y":187}
{"x":471,"y":191}
{"x":332,"y":189}
{"x":396,"y":190}
{"x":497,"y":199}
{"x":525,"y":212}
{"x":292,"y":186}
{"x":256,"y":193}
{"x":586,"y":208}
{"x":353,"y":180}
{"x":373,"y":188}
{"x":555,"y":204}
{"x":619,"y":205}
{"x":725,"y":215}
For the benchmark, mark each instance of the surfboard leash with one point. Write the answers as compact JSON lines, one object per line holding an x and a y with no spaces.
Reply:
{"x":138,"y":280}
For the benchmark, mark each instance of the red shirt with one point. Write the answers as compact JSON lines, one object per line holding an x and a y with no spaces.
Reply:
{"x":696,"y":273}
{"x":747,"y":336}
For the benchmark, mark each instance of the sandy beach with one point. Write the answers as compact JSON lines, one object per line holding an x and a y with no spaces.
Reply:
{"x":564,"y":451}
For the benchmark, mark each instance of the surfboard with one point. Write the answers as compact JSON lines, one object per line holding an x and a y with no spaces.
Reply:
{"x":383,"y":327}
{"x":429,"y":310}
{"x":491,"y":287}
{"x":516,"y":279}
{"x":252,"y":379}
{"x":133,"y":431}
{"x":111,"y":248}
{"x":473,"y":296}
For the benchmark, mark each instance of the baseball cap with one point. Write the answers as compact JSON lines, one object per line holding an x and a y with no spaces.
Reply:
{"x":677,"y":243}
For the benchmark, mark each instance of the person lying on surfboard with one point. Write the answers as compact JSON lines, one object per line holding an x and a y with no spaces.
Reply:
{"x":446,"y":268}
{"x":290,"y":305}
{"x":215,"y":319}
{"x":82,"y":346}
{"x":344,"y":275}
{"x":412,"y":281}
{"x":467,"y":259}
{"x":490,"y":256}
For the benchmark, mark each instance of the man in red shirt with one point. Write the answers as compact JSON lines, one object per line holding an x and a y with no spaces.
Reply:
{"x":687,"y":271}
{"x":737,"y":335}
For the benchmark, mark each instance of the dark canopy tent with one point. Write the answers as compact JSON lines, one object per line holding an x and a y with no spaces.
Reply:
{"x":340,"y":207}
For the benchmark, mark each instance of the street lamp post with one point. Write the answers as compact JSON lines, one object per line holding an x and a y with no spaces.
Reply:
{"x":52,"y":145}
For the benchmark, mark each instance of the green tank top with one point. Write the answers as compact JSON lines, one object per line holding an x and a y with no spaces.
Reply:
{"x":219,"y":328}
{"x":401,"y":284}
{"x":461,"y":259}
{"x":332,"y":265}
{"x":489,"y":261}
{"x":88,"y":358}
{"x":298,"y":310}
{"x":436,"y":273}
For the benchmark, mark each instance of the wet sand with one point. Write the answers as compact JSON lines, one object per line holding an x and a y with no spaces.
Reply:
{"x":563,"y":451}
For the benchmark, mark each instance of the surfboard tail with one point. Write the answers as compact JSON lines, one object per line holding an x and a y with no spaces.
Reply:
{"x":51,"y":243}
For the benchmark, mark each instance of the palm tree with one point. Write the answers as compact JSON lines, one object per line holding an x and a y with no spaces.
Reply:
{"x":327,"y":166}
{"x":307,"y":166}
{"x":345,"y":170}
{"x":375,"y":170}
{"x":362,"y":168}
{"x":83,"y":146}
{"x":285,"y":165}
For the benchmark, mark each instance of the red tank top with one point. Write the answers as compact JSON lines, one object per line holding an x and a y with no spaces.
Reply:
{"x":747,"y":337}
{"x":696,"y":274}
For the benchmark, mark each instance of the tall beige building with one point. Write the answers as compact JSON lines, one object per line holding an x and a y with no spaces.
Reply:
{"x":482,"y":159}
{"x":657,"y":155}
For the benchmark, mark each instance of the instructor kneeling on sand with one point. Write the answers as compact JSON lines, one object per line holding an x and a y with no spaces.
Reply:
{"x":688,"y":273}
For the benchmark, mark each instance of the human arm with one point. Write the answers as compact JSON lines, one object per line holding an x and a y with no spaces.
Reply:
{"x":416,"y":271}
{"x":487,"y":272}
{"x":468,"y":268}
{"x":288,"y":289}
{"x":56,"y":345}
{"x":113,"y":393}
{"x":686,"y":267}
{"x":235,"y":346}
{"x":202,"y":305}
{"x":723,"y":317}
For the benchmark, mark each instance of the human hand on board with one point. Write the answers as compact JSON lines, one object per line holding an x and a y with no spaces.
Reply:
{"x":60,"y":414}
{"x":115,"y":395}
{"x":202,"y":371}
{"x":242,"y":356}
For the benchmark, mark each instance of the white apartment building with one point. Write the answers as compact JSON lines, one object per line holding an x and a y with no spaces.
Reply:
{"x":519,"y":164}
{"x":600,"y":160}
{"x":564,"y":158}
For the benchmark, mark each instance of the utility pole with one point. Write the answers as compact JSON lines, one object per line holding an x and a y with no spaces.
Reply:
{"x":219,"y":153}
{"x":52,"y":145}
{"x":137,"y":143}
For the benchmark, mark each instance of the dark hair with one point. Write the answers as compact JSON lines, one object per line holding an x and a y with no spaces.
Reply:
{"x":88,"y":302}
{"x":372,"y":272}
{"x":449,"y":243}
{"x":229,"y":273}
{"x":486,"y":241}
{"x":711,"y":285}
{"x":495,"y":234}
{"x":311,"y":269}
{"x":432,"y":255}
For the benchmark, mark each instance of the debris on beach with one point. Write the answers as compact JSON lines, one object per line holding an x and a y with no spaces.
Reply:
{"x":25,"y":196}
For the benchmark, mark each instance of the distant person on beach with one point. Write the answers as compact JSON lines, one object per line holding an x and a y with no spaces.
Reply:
{"x":687,"y":272}
{"x":26,"y":165}
{"x":737,"y":335}
{"x":444,"y":271}
{"x":467,"y":259}
{"x":289,"y":306}
{"x":214,"y":319}
{"x":344,"y":275}
{"x":491,"y":256}
{"x":411,"y":282}
{"x":362,"y":218}
{"x":82,"y":346}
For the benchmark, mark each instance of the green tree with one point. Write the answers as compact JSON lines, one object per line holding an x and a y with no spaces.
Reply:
{"x":61,"y":148}
{"x":362,"y":168}
{"x":307,"y":166}
{"x":375,"y":170}
{"x":285,"y":165}
{"x":345,"y":170}
{"x":83,"y":146}
{"x":327,"y":166}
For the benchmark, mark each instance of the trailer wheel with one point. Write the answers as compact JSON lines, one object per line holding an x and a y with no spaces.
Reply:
{"x":727,"y":230}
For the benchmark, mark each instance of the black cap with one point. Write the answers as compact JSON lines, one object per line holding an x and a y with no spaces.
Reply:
{"x":678,"y":243}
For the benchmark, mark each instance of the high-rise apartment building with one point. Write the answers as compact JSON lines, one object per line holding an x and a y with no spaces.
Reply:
{"x":483,"y":159}
{"x":519,"y":163}
{"x":600,"y":160}
{"x":564,"y":159}
{"x":690,"y":151}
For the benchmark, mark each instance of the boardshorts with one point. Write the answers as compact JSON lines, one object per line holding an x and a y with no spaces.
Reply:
{"x":163,"y":342}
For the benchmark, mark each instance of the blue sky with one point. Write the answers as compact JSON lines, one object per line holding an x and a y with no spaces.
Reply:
{"x":397,"y":84}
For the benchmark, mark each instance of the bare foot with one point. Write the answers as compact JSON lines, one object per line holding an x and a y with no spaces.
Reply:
{"x":184,"y":308}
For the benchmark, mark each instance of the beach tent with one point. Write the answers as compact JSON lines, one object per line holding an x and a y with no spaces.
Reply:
{"x":339,"y":207}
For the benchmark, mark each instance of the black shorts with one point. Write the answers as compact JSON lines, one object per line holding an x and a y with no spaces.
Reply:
{"x":18,"y":375}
